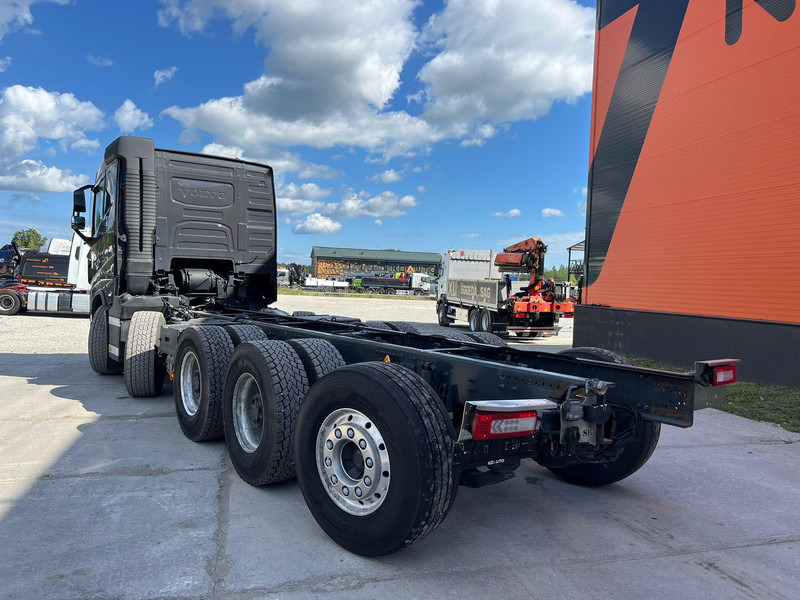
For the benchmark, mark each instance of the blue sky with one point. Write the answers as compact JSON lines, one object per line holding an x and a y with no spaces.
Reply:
{"x":420,"y":126}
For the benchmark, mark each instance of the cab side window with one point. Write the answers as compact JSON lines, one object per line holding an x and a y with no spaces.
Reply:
{"x":112,"y":177}
{"x":99,"y":206}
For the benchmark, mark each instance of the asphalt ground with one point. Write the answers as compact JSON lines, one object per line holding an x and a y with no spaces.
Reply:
{"x":101,"y":496}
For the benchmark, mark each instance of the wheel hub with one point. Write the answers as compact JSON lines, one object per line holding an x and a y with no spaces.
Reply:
{"x":191,"y":383}
{"x":353,"y":461}
{"x":6,"y":302}
{"x":248,"y":413}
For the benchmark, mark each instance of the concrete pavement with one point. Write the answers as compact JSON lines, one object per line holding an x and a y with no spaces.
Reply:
{"x":102,"y":496}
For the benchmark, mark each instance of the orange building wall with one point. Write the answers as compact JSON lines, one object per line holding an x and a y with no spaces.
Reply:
{"x":711,"y":221}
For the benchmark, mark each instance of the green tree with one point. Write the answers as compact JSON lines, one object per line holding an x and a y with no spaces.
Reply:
{"x":29,"y":238}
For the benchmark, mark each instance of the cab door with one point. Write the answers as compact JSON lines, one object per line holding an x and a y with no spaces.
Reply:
{"x":102,"y":259}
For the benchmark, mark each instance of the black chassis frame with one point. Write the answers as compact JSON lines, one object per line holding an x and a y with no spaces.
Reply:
{"x":461,"y":372}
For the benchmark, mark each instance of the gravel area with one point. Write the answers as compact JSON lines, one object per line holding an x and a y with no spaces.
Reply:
{"x":66,"y":334}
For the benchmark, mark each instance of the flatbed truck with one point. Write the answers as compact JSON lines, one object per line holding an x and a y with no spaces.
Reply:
{"x":379,"y":423}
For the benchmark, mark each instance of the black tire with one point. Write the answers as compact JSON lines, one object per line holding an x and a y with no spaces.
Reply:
{"x":391,"y":292}
{"x":402,"y":326}
{"x":203,"y":376}
{"x":474,"y":319}
{"x":485,"y":320}
{"x":635,"y":454}
{"x":378,"y":325}
{"x":319,"y":357}
{"x":303,"y":313}
{"x":100,"y":361}
{"x":459,"y":337}
{"x":245,"y":333}
{"x":441,"y":314}
{"x":10,"y":303}
{"x":144,"y":369}
{"x":267,"y":410}
{"x":488,"y":338}
{"x":408,"y":421}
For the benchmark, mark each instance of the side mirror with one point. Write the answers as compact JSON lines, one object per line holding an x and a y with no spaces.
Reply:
{"x":78,"y":222}
{"x":79,"y":199}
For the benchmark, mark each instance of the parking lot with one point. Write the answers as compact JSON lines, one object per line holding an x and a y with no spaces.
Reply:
{"x":102,"y":496}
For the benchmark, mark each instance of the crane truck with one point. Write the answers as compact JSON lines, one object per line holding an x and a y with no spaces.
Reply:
{"x":379,"y":423}
{"x":475,"y":287}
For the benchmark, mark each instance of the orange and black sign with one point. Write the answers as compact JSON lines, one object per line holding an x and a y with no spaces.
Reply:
{"x":38,"y":268}
{"x":693,"y":181}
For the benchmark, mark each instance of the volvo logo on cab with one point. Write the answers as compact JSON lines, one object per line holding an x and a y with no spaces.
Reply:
{"x":194,"y":192}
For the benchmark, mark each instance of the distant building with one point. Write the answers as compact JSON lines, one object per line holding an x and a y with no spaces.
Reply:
{"x":348,"y":262}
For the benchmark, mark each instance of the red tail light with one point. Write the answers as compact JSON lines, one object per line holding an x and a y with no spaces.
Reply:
{"x":724,"y":375}
{"x":487,"y":426}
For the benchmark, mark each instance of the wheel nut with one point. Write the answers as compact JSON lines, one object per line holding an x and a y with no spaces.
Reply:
{"x":358,"y":492}
{"x":367,"y":481}
{"x":345,"y":491}
{"x":350,"y":432}
{"x":328,"y":462}
{"x":369,"y":462}
{"x":338,"y":434}
{"x":362,"y":444}
{"x":334,"y":479}
{"x":329,"y":445}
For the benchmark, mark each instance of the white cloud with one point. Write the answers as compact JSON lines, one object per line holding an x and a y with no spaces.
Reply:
{"x":470,"y":236}
{"x":388,"y":176}
{"x":506,"y":61}
{"x":422,"y":189}
{"x":86,"y":145}
{"x":293,"y":199}
{"x":330,"y":74}
{"x":551,"y":212}
{"x":582,"y":208}
{"x":100,"y":61}
{"x":35,"y":176}
{"x":16,"y":14}
{"x":385,"y":204}
{"x":130,"y":118}
{"x":316,"y":223}
{"x":580,"y":190}
{"x":29,"y":114}
{"x":510,"y":214}
{"x":163,"y":75}
{"x":5,"y":63}
{"x":282,"y":162}
{"x":378,"y":222}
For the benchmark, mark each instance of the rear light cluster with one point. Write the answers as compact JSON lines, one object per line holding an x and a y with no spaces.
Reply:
{"x":487,"y":426}
{"x":724,"y":375}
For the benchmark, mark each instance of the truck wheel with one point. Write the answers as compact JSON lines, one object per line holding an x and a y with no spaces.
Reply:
{"x":488,"y":338}
{"x":319,"y":357}
{"x":459,"y":337}
{"x":374,"y":457}
{"x":245,"y":333}
{"x":402,"y":326}
{"x":635,"y":453}
{"x":377,"y":325}
{"x":486,"y":320}
{"x":391,"y":292}
{"x":100,"y":361}
{"x":264,"y":386}
{"x":9,"y":303}
{"x":474,"y":319}
{"x":200,"y":364}
{"x":144,"y":369}
{"x":441,"y":314}
{"x":419,"y":292}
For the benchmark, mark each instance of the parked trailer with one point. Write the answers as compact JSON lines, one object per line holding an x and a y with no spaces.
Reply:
{"x":378,"y":422}
{"x":55,"y":281}
{"x":417,"y":284}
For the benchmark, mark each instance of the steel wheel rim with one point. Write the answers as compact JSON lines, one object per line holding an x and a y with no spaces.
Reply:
{"x":248,"y":413}
{"x":485,"y":322}
{"x":353,"y":462}
{"x":6,"y":302}
{"x":191,"y":383}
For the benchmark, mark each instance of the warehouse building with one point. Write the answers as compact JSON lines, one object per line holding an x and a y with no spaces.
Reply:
{"x":349,"y":262}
